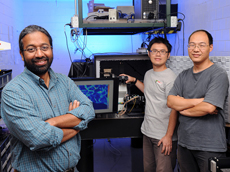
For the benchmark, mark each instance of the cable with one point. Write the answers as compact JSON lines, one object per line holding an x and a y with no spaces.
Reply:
{"x":78,"y":42}
{"x":90,"y":16}
{"x":122,"y":112}
{"x":80,"y":45}
{"x":114,"y":151}
{"x":86,"y":67}
{"x":183,"y":27}
{"x":183,"y":36}
{"x":75,"y":4}
{"x":175,"y":43}
{"x":67,"y":43}
{"x":165,"y":35}
{"x":173,"y":13}
{"x":160,"y":2}
{"x":154,"y":22}
{"x":74,"y":38}
{"x":133,"y":105}
{"x":178,"y":43}
{"x":76,"y":34}
{"x":84,"y":43}
{"x":177,"y":13}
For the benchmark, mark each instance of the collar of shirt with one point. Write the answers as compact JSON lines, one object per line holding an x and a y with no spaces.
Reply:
{"x":39,"y":81}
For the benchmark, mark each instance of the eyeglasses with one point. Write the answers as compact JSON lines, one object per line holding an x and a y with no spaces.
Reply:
{"x":201,"y":46}
{"x":154,"y":52}
{"x":34,"y":49}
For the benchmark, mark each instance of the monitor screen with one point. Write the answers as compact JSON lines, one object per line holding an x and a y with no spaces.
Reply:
{"x":101,"y":91}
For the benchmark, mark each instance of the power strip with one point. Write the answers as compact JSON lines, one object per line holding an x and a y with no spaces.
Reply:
{"x":174,"y":21}
{"x":113,"y":15}
{"x":74,"y":21}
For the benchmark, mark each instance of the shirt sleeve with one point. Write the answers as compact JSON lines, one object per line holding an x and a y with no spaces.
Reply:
{"x":19,"y":114}
{"x":176,"y":88}
{"x":217,"y":90}
{"x":169,"y":86}
{"x":85,"y":111}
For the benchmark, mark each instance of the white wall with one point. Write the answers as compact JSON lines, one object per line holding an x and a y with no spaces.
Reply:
{"x":54,"y":14}
{"x":211,"y":15}
{"x":11,"y":23}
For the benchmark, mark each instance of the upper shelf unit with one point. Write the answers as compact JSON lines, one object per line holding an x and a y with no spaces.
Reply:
{"x":122,"y":26}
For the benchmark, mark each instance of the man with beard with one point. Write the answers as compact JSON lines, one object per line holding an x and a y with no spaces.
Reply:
{"x":43,"y":110}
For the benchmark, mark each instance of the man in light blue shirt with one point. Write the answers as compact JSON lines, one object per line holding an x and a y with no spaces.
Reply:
{"x":44,"y":111}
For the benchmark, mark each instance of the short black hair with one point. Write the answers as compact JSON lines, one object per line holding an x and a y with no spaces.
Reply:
{"x":210,"y":38}
{"x":31,"y":29}
{"x":160,"y":40}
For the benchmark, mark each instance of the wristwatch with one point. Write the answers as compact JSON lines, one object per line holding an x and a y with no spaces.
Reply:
{"x":134,"y":83}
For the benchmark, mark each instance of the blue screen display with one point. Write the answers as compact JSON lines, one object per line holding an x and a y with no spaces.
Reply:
{"x":98,"y":94}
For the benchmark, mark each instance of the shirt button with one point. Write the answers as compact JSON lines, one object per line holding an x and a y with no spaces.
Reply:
{"x":54,"y":106}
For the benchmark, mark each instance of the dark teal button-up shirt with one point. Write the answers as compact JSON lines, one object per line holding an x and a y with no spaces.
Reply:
{"x":26,"y":104}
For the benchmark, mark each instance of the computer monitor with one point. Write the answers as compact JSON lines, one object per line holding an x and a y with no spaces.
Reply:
{"x":102,"y":92}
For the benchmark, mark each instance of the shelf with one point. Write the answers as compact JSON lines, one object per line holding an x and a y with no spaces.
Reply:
{"x":114,"y":31}
{"x":5,"y":77}
{"x":123,"y":23}
{"x":122,"y":26}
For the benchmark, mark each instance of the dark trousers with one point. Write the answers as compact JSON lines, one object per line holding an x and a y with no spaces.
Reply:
{"x":154,"y":160}
{"x":194,"y":160}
